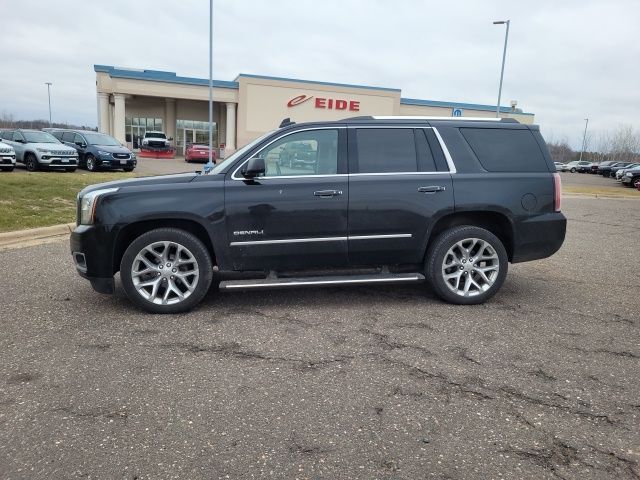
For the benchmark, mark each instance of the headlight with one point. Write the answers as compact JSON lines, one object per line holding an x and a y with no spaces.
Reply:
{"x":628,"y":174}
{"x":88,"y":204}
{"x":106,"y":154}
{"x":145,"y":141}
{"x":43,"y":150}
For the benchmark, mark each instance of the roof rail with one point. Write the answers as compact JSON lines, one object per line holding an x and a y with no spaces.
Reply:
{"x":419,"y":117}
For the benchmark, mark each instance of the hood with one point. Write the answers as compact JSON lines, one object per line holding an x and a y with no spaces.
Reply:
{"x":112,"y":148}
{"x":6,"y":148}
{"x":58,"y":147}
{"x":142,"y":182}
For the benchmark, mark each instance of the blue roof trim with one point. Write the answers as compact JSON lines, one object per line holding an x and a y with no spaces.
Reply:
{"x":315,"y":82}
{"x":161,"y":76}
{"x":468,"y":106}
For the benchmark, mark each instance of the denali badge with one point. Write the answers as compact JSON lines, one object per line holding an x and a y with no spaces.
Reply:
{"x":248,"y":232}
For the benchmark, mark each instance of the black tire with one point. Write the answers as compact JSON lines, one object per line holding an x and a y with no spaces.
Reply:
{"x":439,"y":249}
{"x":31,"y":162}
{"x":612,"y":175}
{"x":195,"y":247}
{"x":128,"y":169}
{"x":91,"y":164}
{"x":573,"y":170}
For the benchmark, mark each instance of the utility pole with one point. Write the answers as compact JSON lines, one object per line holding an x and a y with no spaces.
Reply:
{"x":584,"y":137}
{"x":504,"y":56}
{"x":209,"y":166}
{"x":48,"y":84}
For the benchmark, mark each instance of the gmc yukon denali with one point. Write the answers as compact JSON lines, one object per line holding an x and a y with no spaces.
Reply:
{"x":377,"y":200}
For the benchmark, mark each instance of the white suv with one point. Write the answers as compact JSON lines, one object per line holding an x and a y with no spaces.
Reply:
{"x":39,"y":150}
{"x":7,"y":157}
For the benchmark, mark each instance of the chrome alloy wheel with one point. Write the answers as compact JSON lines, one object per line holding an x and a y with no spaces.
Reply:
{"x":470,"y":267}
{"x":165,"y":273}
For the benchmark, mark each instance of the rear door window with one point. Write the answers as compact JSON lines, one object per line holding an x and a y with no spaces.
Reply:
{"x":505,"y":150}
{"x":386,"y":150}
{"x":67,"y":136}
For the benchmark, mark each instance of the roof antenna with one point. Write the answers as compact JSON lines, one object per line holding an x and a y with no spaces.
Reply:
{"x":286,"y":122}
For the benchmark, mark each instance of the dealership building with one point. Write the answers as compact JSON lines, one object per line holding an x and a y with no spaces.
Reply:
{"x":132,"y":101}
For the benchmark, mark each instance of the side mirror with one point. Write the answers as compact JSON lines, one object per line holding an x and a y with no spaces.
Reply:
{"x":80,"y":144}
{"x":255,"y":167}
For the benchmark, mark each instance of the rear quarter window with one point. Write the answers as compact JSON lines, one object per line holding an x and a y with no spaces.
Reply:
{"x":505,"y":150}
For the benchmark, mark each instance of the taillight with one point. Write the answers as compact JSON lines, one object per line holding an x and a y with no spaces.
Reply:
{"x":557,"y":187}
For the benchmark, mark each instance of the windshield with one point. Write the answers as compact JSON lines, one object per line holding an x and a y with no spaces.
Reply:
{"x":222,"y":166}
{"x":155,"y":135}
{"x":100,"y":139}
{"x":40,"y":137}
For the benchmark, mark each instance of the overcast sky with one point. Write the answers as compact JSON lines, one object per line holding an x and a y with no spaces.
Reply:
{"x":566,"y":60}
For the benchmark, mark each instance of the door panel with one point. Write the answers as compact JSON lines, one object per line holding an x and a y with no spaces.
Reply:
{"x":294,"y":217}
{"x":394,"y":195}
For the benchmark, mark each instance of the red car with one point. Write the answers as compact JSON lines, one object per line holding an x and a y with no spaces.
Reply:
{"x":198,"y":153}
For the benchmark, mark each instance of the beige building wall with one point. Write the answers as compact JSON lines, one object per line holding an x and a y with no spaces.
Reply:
{"x":263,"y":104}
{"x":258,"y":105}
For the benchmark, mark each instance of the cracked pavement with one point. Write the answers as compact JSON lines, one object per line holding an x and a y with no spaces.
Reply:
{"x":360,"y":382}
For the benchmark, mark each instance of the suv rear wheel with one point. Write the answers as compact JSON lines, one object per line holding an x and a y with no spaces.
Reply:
{"x":466,"y":265}
{"x":166,"y":270}
{"x":31,"y":162}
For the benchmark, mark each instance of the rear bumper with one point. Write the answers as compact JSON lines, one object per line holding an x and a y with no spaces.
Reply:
{"x":92,"y":251}
{"x":539,"y":237}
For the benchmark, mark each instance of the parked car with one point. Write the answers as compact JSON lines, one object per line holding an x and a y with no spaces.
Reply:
{"x":602,"y":165}
{"x":620,"y":171}
{"x":630,"y":178}
{"x":573,"y":166}
{"x":155,"y":140}
{"x":584,"y":167}
{"x":7,"y":157}
{"x":39,"y":150}
{"x":392,"y":178}
{"x":199,"y":153}
{"x":560,"y":167}
{"x":607,"y":170}
{"x":97,"y":151}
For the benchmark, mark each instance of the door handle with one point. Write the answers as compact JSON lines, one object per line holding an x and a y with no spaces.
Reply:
{"x":327,"y":193}
{"x":431,"y":189}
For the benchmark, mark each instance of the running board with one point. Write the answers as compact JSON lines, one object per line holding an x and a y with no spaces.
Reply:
{"x":320,"y":281}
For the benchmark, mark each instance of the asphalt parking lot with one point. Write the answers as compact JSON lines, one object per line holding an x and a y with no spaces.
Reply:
{"x":362,"y":382}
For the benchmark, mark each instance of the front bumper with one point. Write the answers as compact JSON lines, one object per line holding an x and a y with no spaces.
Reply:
{"x":7,"y":160}
{"x":92,"y":249}
{"x":54,"y":161}
{"x":539,"y":237}
{"x":116,"y":163}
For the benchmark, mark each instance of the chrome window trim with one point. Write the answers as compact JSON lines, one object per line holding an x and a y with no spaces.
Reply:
{"x":335,"y":127}
{"x":443,"y":146}
{"x":321,"y":239}
{"x":445,"y":150}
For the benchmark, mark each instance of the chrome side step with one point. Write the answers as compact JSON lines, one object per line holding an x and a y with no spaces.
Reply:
{"x":320,"y":281}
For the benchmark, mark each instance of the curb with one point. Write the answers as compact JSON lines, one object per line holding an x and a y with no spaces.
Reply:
{"x":600,"y":195}
{"x":35,"y":236}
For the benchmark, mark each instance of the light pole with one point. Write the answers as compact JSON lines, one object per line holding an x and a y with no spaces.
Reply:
{"x":48,"y":84}
{"x":584,"y":137}
{"x":504,"y":56}
{"x":209,"y":166}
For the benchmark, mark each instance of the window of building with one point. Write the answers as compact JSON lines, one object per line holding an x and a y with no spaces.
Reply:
{"x":313,"y":152}
{"x":386,"y":150}
{"x":505,"y":150}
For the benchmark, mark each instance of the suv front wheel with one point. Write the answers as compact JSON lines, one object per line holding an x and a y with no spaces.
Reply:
{"x":466,"y":265}
{"x":166,"y":270}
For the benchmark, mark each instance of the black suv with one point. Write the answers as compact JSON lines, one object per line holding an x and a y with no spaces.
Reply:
{"x":96,"y":151}
{"x":388,"y":199}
